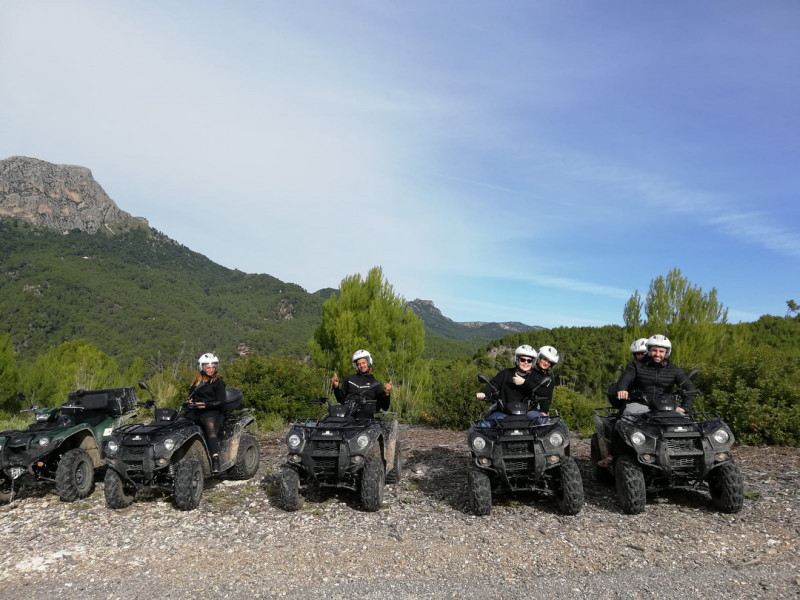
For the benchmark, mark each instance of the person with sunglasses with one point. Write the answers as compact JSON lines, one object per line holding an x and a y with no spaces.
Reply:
{"x":513,"y":384}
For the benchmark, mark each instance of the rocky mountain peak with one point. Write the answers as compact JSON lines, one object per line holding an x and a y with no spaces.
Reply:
{"x":60,"y":197}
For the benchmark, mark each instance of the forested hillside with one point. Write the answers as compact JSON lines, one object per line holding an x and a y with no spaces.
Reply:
{"x":139,"y":294}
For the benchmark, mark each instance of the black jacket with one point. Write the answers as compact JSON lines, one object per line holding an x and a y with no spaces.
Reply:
{"x":651,"y":379}
{"x":508,"y":390}
{"x":212,"y":393}
{"x":363,"y":388}
{"x":543,"y":395}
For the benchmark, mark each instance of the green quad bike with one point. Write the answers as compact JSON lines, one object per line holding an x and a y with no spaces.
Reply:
{"x":66,"y":444}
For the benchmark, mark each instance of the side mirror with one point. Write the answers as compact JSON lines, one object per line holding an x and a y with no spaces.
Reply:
{"x":143,"y":386}
{"x":691,"y":374}
{"x":483,"y":379}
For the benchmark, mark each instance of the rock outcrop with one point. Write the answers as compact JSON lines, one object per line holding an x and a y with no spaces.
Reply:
{"x":60,"y":197}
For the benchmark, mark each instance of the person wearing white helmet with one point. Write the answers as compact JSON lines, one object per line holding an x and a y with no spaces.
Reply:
{"x":639,"y":349}
{"x":362,"y":385}
{"x":654,"y":375}
{"x":638,"y":352}
{"x":548,"y":358}
{"x":512,"y":384}
{"x":206,"y":397}
{"x":370,"y":396}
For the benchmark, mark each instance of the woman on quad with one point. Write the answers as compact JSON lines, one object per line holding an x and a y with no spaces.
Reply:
{"x":206,"y":398}
{"x":513,"y":384}
{"x":373,"y":394}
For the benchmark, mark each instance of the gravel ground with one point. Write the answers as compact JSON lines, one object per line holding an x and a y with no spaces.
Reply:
{"x":423,"y":544}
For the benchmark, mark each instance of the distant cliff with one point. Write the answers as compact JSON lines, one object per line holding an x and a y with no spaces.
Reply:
{"x":438,"y":324}
{"x":59,"y":197}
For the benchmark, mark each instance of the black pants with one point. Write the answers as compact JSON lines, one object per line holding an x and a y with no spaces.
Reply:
{"x":210,"y":421}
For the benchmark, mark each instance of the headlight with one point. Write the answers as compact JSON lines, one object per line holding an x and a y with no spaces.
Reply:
{"x":112,"y":447}
{"x":169,"y":444}
{"x":478,"y":443}
{"x":638,"y":438}
{"x":44,"y":442}
{"x":362,"y":441}
{"x":720,"y":436}
{"x":42,"y":417}
{"x":293,"y":441}
{"x":556,"y":439}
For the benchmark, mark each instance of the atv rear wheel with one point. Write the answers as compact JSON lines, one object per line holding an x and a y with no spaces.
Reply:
{"x":601,"y":474}
{"x":480,"y":492}
{"x":631,"y":489}
{"x":115,"y":492}
{"x":394,"y":475}
{"x":372,"y":481}
{"x":189,"y":483}
{"x":74,"y":475}
{"x":247,"y":458}
{"x":726,"y":487}
{"x":290,"y":489}
{"x":569,"y":496}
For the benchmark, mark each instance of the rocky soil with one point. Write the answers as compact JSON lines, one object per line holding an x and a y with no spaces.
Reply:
{"x":422,"y":544}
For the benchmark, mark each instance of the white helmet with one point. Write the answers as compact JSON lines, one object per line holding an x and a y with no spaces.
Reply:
{"x":207,"y":359}
{"x":639,"y":345}
{"x":524,"y":350}
{"x":549,"y":353}
{"x":358,"y":354}
{"x":660,"y":341}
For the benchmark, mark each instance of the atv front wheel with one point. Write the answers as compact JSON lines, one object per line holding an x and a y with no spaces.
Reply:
{"x":631,"y":489}
{"x":74,"y":475}
{"x":372,"y":480}
{"x":480,"y":492}
{"x":601,"y":474}
{"x":189,"y":483}
{"x":726,"y":487}
{"x":570,"y":493}
{"x":393,"y":476}
{"x":5,"y":495}
{"x":115,"y":492}
{"x":290,"y":489}
{"x":247,"y":458}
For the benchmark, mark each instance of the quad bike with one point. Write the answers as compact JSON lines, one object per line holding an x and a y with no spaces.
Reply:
{"x":170,"y":454}
{"x":66,"y":444}
{"x":349,"y":448}
{"x":519,"y":454}
{"x":666,"y":449}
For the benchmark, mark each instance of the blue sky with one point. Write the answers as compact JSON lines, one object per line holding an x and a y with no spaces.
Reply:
{"x":526,"y":161}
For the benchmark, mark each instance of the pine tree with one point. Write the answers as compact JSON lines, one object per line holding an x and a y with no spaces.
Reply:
{"x":369,"y":315}
{"x":688,"y":317}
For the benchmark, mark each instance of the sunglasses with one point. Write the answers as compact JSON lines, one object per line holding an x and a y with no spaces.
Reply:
{"x":525,"y":360}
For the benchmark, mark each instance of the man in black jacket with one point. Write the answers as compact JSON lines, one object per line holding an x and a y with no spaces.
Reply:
{"x":370,"y":395}
{"x":362,"y":386}
{"x":653,"y":376}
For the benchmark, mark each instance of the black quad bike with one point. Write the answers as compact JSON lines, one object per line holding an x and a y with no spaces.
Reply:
{"x":666,"y":449}
{"x":170,"y":454}
{"x":66,"y":444}
{"x":518,"y":454}
{"x":349,"y":448}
